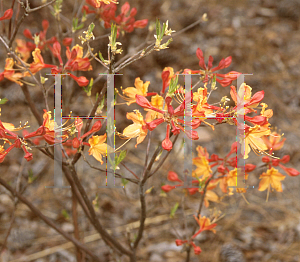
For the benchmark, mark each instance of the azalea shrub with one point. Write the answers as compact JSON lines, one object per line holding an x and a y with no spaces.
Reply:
{"x":70,"y":56}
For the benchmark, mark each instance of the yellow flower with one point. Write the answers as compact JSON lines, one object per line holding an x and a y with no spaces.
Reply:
{"x":271,"y":178}
{"x":230,"y":180}
{"x":156,"y":101}
{"x":98,"y":148}
{"x":139,"y":89}
{"x":253,"y":139}
{"x":203,"y":167}
{"x":136,"y":129}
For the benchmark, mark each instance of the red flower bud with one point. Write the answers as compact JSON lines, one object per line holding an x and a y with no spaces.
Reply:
{"x":172,"y":176}
{"x":27,"y":34}
{"x":45,"y":25}
{"x":180,"y":242}
{"x":125,"y":8}
{"x":285,"y":159}
{"x":67,"y":41}
{"x":265,"y":159}
{"x":167,"y":144}
{"x":249,"y":167}
{"x":167,"y":188}
{"x":81,"y":81}
{"x":133,"y":12}
{"x":275,"y":162}
{"x":221,"y":169}
{"x":193,"y":191}
{"x":7,"y":15}
{"x":28,"y":156}
{"x":140,"y":23}
{"x":290,"y":171}
{"x":75,"y":142}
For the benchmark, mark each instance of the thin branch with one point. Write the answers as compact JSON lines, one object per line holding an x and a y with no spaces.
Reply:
{"x":163,"y":160}
{"x":109,"y":240}
{"x":49,"y":222}
{"x":128,"y":169}
{"x":135,"y":181}
{"x":40,"y":7}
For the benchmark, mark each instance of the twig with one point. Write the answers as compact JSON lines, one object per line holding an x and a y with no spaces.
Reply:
{"x":109,"y":240}
{"x":198,"y":213}
{"x":47,"y":220}
{"x":40,"y":7}
{"x":163,"y":160}
{"x":103,"y":170}
{"x":130,"y":171}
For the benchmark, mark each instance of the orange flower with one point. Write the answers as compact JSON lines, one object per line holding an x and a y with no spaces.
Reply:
{"x":9,"y":72}
{"x":137,"y":128}
{"x":205,"y":224}
{"x":157,"y":101}
{"x":98,"y":148}
{"x":203,"y":167}
{"x":76,"y":61}
{"x":38,"y":62}
{"x":230,"y":180}
{"x":23,"y":49}
{"x":253,"y":139}
{"x":274,"y":141}
{"x":271,"y":178}
{"x":243,"y":97}
{"x":139,"y":89}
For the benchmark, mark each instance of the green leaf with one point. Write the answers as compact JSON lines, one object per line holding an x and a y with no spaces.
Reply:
{"x":124,"y":181}
{"x":65,"y":214}
{"x":163,"y":31}
{"x":101,"y":57}
{"x":121,"y":157}
{"x":174,"y":209}
{"x":214,"y":83}
{"x":80,"y":26}
{"x":3,"y":101}
{"x":157,"y":27}
{"x":30,"y":176}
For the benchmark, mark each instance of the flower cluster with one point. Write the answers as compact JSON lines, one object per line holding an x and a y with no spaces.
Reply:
{"x":125,"y":21}
{"x":8,"y":134}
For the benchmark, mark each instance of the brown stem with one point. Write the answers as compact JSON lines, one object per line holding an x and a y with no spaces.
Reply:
{"x":198,"y":213}
{"x":102,"y":231}
{"x":48,"y":221}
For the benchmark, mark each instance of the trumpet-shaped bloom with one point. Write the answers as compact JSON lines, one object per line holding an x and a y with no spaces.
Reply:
{"x":253,"y":140}
{"x":129,"y":93}
{"x":98,"y":148}
{"x":137,"y":129}
{"x":272,"y":178}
